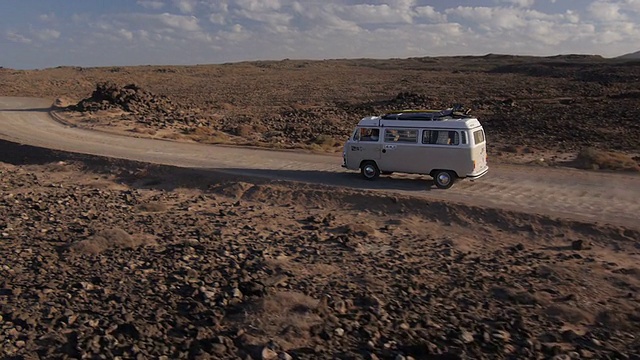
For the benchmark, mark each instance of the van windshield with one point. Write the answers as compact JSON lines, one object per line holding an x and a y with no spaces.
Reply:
{"x":368,"y":134}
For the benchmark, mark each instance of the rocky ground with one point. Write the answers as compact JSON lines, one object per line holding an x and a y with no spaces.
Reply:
{"x":105,"y":258}
{"x":531,"y":107}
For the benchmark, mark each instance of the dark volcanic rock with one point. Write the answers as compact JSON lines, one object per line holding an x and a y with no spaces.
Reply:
{"x":129,"y":98}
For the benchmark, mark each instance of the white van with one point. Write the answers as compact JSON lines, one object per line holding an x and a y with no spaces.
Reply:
{"x":447,"y":145}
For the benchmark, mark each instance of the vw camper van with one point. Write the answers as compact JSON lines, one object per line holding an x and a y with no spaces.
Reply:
{"x":447,"y":145}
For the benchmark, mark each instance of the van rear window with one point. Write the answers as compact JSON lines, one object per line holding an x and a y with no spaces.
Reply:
{"x":440,"y":137}
{"x":478,"y":137}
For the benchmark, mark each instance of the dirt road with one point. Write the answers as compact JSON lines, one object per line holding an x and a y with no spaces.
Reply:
{"x":592,"y":196}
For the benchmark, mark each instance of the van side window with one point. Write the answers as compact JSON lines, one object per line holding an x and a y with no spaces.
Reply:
{"x":478,"y":137}
{"x":440,"y":137}
{"x":401,"y":135}
{"x":464,"y":136}
{"x":367,"y":134}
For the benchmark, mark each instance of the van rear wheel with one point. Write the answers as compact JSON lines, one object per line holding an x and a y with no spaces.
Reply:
{"x":369,"y":170}
{"x":443,"y":179}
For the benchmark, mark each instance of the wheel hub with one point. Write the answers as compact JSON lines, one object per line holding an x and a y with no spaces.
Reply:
{"x":444,"y":178}
{"x":369,"y":170}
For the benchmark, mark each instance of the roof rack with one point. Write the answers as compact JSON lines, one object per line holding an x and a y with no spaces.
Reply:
{"x":455,"y":112}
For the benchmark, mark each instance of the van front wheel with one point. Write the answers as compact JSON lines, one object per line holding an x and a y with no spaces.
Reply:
{"x":443,"y":179}
{"x":369,"y":170}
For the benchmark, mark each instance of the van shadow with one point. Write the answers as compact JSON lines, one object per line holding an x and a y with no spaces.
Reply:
{"x":342,"y":179}
{"x":27,"y":110}
{"x":153,"y":176}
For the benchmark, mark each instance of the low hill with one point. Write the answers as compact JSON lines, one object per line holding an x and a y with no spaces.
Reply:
{"x":630,"y":56}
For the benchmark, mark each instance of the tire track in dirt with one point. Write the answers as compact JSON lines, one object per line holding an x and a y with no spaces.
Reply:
{"x":594,"y":196}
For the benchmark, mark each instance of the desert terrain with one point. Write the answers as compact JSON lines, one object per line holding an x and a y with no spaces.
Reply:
{"x":536,"y":110}
{"x":116,"y":244}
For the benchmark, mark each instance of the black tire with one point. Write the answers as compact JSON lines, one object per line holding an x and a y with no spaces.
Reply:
{"x":443,"y":179}
{"x":369,"y":170}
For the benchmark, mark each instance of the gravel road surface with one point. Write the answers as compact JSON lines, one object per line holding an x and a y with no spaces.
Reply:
{"x":600,"y":197}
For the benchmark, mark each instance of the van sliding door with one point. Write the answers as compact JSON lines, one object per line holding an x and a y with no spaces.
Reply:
{"x":400,"y":150}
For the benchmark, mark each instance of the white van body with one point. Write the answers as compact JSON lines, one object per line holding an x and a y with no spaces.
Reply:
{"x":446,"y":147}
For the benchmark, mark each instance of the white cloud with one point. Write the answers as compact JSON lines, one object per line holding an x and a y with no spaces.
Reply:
{"x":632,"y":5}
{"x":572,"y":17}
{"x":151,"y":4}
{"x":125,"y":34}
{"x":185,"y":6}
{"x":82,"y":19}
{"x":46,"y":34}
{"x":217,"y":19}
{"x":188,"y":23}
{"x":50,"y":17}
{"x":428,"y":12}
{"x":376,"y":14}
{"x":164,"y":21}
{"x":259,"y":5}
{"x":606,"y":11}
{"x":617,"y":32}
{"x":492,"y":18}
{"x":521,"y":3}
{"x":17,"y":38}
{"x":322,"y":18}
{"x":271,"y":17}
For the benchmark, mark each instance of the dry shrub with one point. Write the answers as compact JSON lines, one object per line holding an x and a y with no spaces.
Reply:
{"x":570,"y":314}
{"x":326,"y":141}
{"x":152,"y":207}
{"x":235,"y":190}
{"x":59,"y":166}
{"x":110,"y":238}
{"x":210,"y":136}
{"x":519,"y":296}
{"x":284,"y":316}
{"x":517,"y":149}
{"x":618,"y":319}
{"x":173,"y":136}
{"x":141,"y":130}
{"x":295,"y":268}
{"x":61,"y":103}
{"x":556,"y":274}
{"x":244,"y":130}
{"x":201,"y":131}
{"x":591,"y":158}
{"x":261,"y":129}
{"x":273,"y":134}
{"x":358,"y":229}
{"x":633,"y":272}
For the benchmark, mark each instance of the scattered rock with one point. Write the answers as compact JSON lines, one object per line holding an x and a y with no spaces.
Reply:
{"x":268,"y":354}
{"x":248,"y":270}
{"x":577,"y":245}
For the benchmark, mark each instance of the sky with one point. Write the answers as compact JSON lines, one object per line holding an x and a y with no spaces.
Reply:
{"x":49,"y":33}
